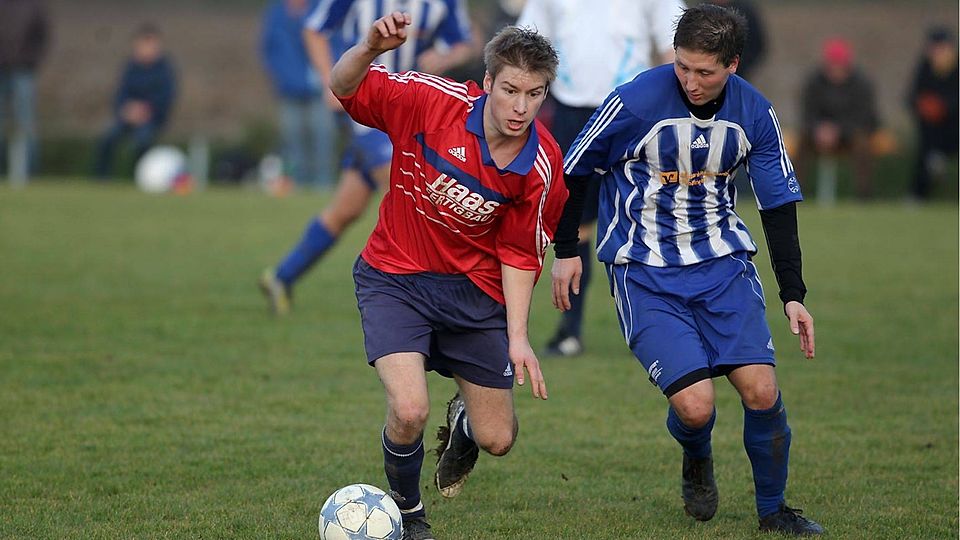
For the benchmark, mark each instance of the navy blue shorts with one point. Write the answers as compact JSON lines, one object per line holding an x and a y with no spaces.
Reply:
{"x":445,"y":317}
{"x":690,"y":323}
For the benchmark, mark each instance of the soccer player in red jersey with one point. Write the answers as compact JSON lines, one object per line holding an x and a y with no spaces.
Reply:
{"x":445,"y":280}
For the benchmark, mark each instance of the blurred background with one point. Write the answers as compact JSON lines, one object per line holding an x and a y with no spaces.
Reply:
{"x":225,"y":105}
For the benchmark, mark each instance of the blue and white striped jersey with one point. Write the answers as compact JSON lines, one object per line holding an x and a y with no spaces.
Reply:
{"x":348,"y":21}
{"x":667,"y":196}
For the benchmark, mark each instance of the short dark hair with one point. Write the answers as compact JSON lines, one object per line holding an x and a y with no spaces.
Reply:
{"x":712,"y":29}
{"x":521,"y":48}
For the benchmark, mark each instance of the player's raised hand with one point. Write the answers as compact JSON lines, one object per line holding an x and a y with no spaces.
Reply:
{"x":565,"y":275}
{"x":523,"y":358}
{"x":801,"y":324}
{"x":389,"y":32}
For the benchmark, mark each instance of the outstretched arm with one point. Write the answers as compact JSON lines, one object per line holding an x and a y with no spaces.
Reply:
{"x":387,"y":33}
{"x":518,"y":290}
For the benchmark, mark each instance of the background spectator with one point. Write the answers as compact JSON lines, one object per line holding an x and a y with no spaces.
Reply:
{"x":143,"y":98}
{"x":933,"y":105}
{"x":23,"y":42}
{"x":307,"y":133}
{"x":839,"y":116}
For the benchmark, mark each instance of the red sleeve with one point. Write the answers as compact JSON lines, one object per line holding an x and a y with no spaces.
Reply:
{"x":528,"y":227}
{"x":409,"y":102}
{"x":385,"y":102}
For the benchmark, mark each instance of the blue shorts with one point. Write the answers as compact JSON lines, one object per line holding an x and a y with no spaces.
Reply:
{"x":445,"y":317}
{"x":367,"y":150}
{"x":690,"y":323}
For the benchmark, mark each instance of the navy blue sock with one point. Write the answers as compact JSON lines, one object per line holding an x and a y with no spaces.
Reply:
{"x":402,"y":463}
{"x":695,"y":442}
{"x":315,"y":242}
{"x":766,"y":437}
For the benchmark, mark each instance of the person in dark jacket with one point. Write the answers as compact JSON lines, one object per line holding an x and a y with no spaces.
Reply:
{"x":306,"y":124}
{"x":143,"y":99}
{"x":24,"y":34}
{"x":839,"y":113}
{"x":933,"y":104}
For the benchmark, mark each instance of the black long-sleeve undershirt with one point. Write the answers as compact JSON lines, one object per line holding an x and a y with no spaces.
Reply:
{"x":783,"y":241}
{"x":568,"y":229}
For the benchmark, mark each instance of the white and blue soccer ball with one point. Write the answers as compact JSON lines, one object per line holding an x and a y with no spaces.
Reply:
{"x":360,"y":512}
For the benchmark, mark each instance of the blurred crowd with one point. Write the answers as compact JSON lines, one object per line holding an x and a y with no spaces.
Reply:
{"x":840,"y":135}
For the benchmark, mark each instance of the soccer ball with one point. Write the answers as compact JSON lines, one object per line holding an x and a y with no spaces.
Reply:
{"x":160,"y":169}
{"x":360,"y":512}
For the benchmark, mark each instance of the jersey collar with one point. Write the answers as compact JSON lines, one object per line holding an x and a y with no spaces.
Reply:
{"x":524,"y":160}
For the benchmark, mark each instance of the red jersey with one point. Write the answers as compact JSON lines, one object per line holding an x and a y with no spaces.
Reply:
{"x":450,"y":209}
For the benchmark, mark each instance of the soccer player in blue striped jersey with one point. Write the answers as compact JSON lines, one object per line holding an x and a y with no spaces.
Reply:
{"x":678,"y":256}
{"x":443,"y":40}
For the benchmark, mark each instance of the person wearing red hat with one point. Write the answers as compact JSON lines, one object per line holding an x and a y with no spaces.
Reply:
{"x":839,"y":115}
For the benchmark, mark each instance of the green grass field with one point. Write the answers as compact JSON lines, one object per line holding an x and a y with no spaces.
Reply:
{"x":145,"y":392}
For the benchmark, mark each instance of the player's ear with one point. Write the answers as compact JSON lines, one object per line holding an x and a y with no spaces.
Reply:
{"x":487,"y":82}
{"x":734,"y":64}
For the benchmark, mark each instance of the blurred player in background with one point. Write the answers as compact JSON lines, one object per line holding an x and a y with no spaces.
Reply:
{"x":626,"y":37}
{"x":678,"y":257}
{"x":445,"y":280}
{"x":443,"y":40}
{"x":933,"y":104}
{"x":307,"y":132}
{"x":143,"y":100}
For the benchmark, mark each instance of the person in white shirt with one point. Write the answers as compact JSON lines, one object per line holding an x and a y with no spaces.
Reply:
{"x":633,"y":36}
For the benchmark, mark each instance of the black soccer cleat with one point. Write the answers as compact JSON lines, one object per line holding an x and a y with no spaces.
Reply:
{"x":416,"y":529}
{"x":700,"y":495}
{"x":788,"y":520}
{"x":456,"y":454}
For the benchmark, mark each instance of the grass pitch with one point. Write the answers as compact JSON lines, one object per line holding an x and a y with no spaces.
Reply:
{"x":145,"y":392}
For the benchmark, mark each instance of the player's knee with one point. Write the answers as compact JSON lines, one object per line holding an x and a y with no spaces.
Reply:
{"x":760,"y":396}
{"x":499,"y":444}
{"x":695,"y":414}
{"x":410,"y":418}
{"x":499,"y":441}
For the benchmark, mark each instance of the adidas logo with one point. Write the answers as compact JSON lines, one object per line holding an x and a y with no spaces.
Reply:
{"x":459,"y":152}
{"x":509,"y":371}
{"x":700,"y":142}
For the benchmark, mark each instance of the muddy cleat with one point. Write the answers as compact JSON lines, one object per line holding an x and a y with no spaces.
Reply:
{"x":416,"y":529}
{"x":788,"y":520}
{"x":561,"y":345}
{"x":700,"y":496}
{"x":456,"y":454}
{"x":276,"y":292}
